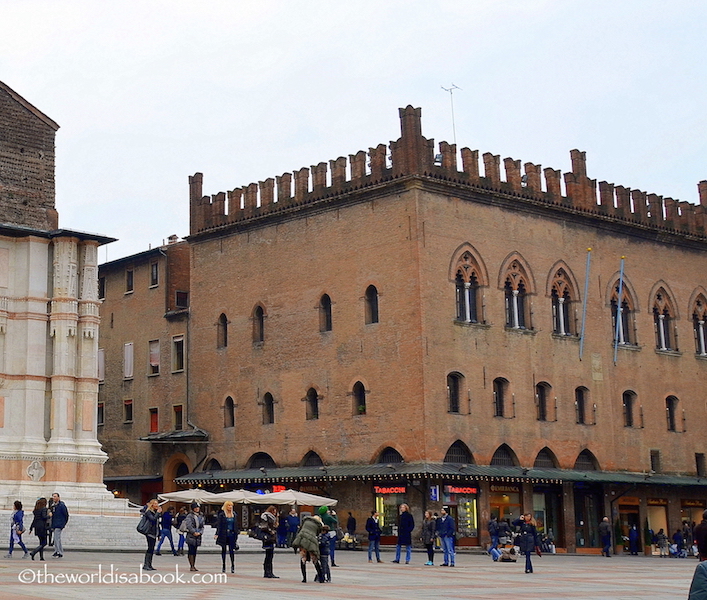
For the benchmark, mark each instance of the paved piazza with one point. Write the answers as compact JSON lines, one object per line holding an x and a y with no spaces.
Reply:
{"x":475,"y":576}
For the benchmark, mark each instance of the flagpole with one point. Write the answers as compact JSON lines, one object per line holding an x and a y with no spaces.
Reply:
{"x":584,"y":304}
{"x":619,"y":315}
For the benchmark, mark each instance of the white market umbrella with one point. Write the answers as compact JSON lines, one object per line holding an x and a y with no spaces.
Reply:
{"x":195,"y":495}
{"x":295,"y":497}
{"x":236,"y":496}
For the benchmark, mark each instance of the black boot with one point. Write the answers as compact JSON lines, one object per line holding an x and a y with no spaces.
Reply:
{"x":303,"y":566}
{"x":320,"y":574}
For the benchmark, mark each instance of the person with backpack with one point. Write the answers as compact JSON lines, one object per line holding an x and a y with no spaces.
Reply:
{"x":177,"y":522}
{"x":493,"y":532}
{"x":149,"y":527}
{"x":268,"y":525}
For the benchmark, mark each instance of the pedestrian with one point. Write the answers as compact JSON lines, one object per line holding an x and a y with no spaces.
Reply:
{"x":351,"y":525}
{"x":699,"y":534}
{"x":178,"y":520}
{"x":166,"y":531}
{"x":374,"y":536}
{"x":493,"y":531}
{"x":268,"y":523}
{"x":679,"y":541}
{"x":406,"y":524}
{"x":662,"y":541}
{"x":195,"y":530}
{"x":60,"y":518}
{"x":152,"y":514}
{"x":446,"y":529}
{"x":50,"y":508}
{"x":325,"y":575}
{"x":428,"y":532}
{"x":292,"y":526}
{"x":605,"y":535}
{"x":227,"y":534}
{"x":698,"y":587}
{"x":40,"y":525}
{"x":307,"y":541}
{"x":17,"y":528}
{"x":330,"y":519}
{"x":504,"y":532}
{"x":528,"y":539}
{"x":282,"y":531}
{"x":633,"y":538}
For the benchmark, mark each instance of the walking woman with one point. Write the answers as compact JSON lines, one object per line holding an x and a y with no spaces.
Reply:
{"x":307,"y":540}
{"x":374,"y":536}
{"x":39,"y":526}
{"x":195,"y":529}
{"x":17,"y":528}
{"x":528,"y":539}
{"x":429,"y":527}
{"x":181,"y":515}
{"x":152,"y":514}
{"x":226,"y":534}
{"x":268,"y":523}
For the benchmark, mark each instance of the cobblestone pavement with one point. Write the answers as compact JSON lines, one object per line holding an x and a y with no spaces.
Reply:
{"x":475,"y":576}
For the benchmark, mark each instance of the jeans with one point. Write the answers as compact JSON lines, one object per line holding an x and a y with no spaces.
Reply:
{"x":332,"y":547}
{"x":180,"y":545}
{"x":408,"y":552}
{"x":606,"y":542}
{"x":166,"y":534}
{"x":58,"y":547}
{"x":494,"y":541}
{"x":19,"y":541}
{"x":374,"y":546}
{"x":448,"y":547}
{"x":528,"y":564}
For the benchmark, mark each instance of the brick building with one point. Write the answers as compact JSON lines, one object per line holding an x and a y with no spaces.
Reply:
{"x":391,"y":328}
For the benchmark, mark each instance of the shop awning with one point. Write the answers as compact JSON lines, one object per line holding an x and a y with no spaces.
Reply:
{"x":114,"y":478}
{"x":449,"y":471}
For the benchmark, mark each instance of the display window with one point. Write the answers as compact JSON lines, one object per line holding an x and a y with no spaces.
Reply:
{"x":504,"y":501}
{"x":462,"y":501}
{"x":388,"y":497}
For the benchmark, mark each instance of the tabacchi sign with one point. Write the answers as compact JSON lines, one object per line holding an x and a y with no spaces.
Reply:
{"x":378,"y":489}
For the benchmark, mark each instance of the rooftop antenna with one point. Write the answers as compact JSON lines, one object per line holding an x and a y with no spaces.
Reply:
{"x":451,"y":100}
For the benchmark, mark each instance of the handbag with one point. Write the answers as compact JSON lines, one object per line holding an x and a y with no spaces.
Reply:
{"x":144,"y":526}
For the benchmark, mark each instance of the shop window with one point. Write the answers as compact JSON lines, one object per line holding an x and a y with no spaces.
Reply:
{"x":458,"y":453}
{"x":311,"y":404}
{"x":504,"y":457}
{"x":128,"y":360}
{"x":700,"y":464}
{"x":154,"y":357}
{"x":359,"y":399}
{"x":177,"y":353}
{"x":268,"y":409}
{"x":545,"y":460}
{"x":500,"y":399}
{"x":178,"y":411}
{"x":671,"y":410}
{"x":312,"y":459}
{"x":623,"y":320}
{"x":628,"y":400}
{"x":222,"y":331}
{"x":562,"y":296}
{"x":261,"y":460}
{"x":101,"y":414}
{"x":586,"y":462}
{"x":258,"y":325}
{"x":129,"y":281}
{"x":455,"y":384}
{"x":325,"y":322}
{"x":154,"y":420}
{"x":581,"y":399}
{"x":229,"y":413}
{"x":663,"y":318}
{"x":154,"y":274}
{"x":390,"y":456}
{"x":127,"y":411}
{"x":655,"y":461}
{"x":542,"y":398}
{"x":699,"y":315}
{"x":371,"y":305}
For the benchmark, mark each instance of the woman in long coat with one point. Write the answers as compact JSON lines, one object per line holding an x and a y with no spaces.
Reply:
{"x":227,"y":534}
{"x":268,"y":523}
{"x":39,"y":526}
{"x":307,"y":540}
{"x":528,"y":539}
{"x":428,"y":537}
{"x":195,"y":529}
{"x":151,"y":513}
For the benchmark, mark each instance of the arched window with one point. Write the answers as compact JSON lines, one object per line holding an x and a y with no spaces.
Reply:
{"x":261,"y":460}
{"x":542,"y":399}
{"x":258,"y":325}
{"x":359,"y":398}
{"x":671,"y":412}
{"x":629,"y":405}
{"x":545,"y":460}
{"x":516,"y":288}
{"x":504,"y":457}
{"x":390,"y":456}
{"x":623,"y":320}
{"x":455,"y":384}
{"x":311,"y":404}
{"x":500,"y":393}
{"x":268,"y":409}
{"x":229,"y":413}
{"x":663,"y":317}
{"x":312,"y":459}
{"x":467,"y":289}
{"x":325,"y":323}
{"x":222,"y":331}
{"x":562,"y":298}
{"x":699,"y":316}
{"x":371,"y":305}
{"x":581,"y":403}
{"x":586,"y":462}
{"x":458,"y":453}
{"x":213,"y":465}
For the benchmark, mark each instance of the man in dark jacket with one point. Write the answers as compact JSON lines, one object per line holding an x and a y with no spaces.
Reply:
{"x":493,"y":532}
{"x":60,"y":517}
{"x":446,"y":530}
{"x":605,"y":534}
{"x":374,"y":536}
{"x":406,"y":524}
{"x":700,"y":537}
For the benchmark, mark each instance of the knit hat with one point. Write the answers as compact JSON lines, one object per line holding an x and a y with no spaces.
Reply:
{"x":194,"y":505}
{"x":323,"y":510}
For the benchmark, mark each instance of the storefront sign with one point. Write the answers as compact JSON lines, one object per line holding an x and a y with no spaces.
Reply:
{"x":514,"y":489}
{"x":393,"y":489}
{"x":692,"y":503}
{"x":630,"y":500}
{"x":278,"y":488}
{"x":455,"y":489}
{"x":657,"y":502}
{"x":434,"y":493}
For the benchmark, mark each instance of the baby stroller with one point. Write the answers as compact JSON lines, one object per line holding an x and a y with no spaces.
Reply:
{"x":676,"y":552}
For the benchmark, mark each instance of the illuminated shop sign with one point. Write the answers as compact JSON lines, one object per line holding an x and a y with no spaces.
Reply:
{"x":657,"y":502}
{"x":505,"y":488}
{"x":693,"y":503}
{"x":392,"y":489}
{"x":454,"y":489}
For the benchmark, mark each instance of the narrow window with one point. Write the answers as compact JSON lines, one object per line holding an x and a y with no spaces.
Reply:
{"x":154,"y":349}
{"x":700,"y":464}
{"x":622,"y":320}
{"x":312,"y":404}
{"x":500,"y":391}
{"x":371,"y":300}
{"x":127,"y":411}
{"x":629,"y":400}
{"x":101,"y":365}
{"x":154,"y":274}
{"x":325,"y":323}
{"x":129,"y":282}
{"x":178,"y":353}
{"x":663,"y":321}
{"x":154,"y":421}
{"x":258,"y":325}
{"x":359,"y":398}
{"x":454,"y":391}
{"x":181,"y":299}
{"x":581,"y":395}
{"x":268,"y":409}
{"x":101,"y":414}
{"x":128,"y":360}
{"x":699,"y":314}
{"x":229,"y":413}
{"x":178,"y":417}
{"x":515,"y":305}
{"x":467,"y":291}
{"x":101,"y":288}
{"x":542,"y":395}
{"x":655,"y":461}
{"x":222,"y":331}
{"x":561,"y":304}
{"x":671,"y":408}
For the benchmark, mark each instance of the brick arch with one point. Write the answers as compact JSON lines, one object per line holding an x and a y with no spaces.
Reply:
{"x":628,"y":290}
{"x":515,"y":266}
{"x":458,"y":448}
{"x":467,"y":259}
{"x":553,"y":276}
{"x":699,"y":293}
{"x":170,"y":470}
{"x":545,"y":454}
{"x":375,"y":458}
{"x":668,"y":300}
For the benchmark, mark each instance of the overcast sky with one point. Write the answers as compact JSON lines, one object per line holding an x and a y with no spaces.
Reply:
{"x":149,"y":92}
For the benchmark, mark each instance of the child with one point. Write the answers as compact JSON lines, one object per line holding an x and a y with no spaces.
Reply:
{"x":324,"y":554}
